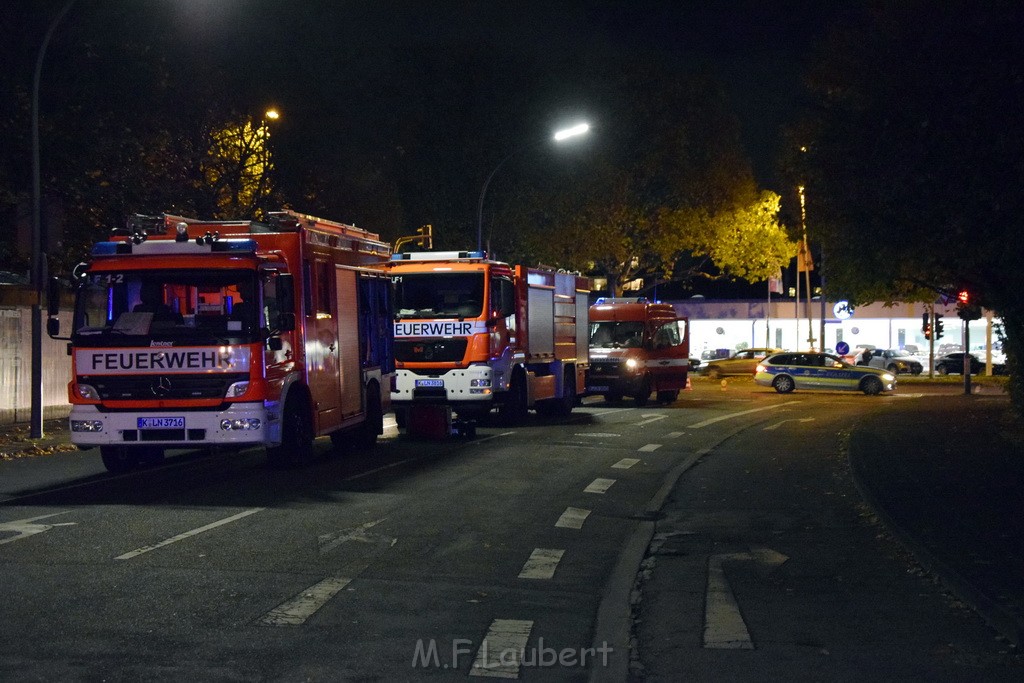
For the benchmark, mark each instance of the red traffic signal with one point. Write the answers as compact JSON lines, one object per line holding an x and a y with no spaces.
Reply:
{"x":963,"y":296}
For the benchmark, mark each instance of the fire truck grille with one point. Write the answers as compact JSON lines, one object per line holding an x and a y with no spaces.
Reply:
{"x":440,"y":350}
{"x":149,"y":387}
{"x":605,"y":368}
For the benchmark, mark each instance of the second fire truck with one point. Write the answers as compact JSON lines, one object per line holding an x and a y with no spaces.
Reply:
{"x":472,"y":334}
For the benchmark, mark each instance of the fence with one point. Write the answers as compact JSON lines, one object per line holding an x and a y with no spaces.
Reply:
{"x":16,"y":368}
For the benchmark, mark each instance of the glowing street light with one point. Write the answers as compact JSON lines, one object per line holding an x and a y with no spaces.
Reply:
{"x":559,"y":136}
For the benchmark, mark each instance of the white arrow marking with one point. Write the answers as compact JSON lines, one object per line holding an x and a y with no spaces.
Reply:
{"x":23,"y":528}
{"x":329,"y":542}
{"x":724,"y":628}
{"x":779,"y":424}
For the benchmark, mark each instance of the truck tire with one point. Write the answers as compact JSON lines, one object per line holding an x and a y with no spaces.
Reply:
{"x":643,"y":393}
{"x":296,"y":434}
{"x":563,"y":405}
{"x":373,"y":425}
{"x":668,"y":396}
{"x":118,"y":459}
{"x":516,"y":405}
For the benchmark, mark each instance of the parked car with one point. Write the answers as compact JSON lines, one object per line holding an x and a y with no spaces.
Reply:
{"x":953,"y":363}
{"x":785,"y":372}
{"x":896,"y":361}
{"x":742,"y":362}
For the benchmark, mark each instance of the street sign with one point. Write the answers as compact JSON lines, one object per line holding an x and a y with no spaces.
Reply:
{"x":842,"y":348}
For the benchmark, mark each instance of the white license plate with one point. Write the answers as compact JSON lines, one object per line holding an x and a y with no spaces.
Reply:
{"x":161,"y":422}
{"x":597,"y":389}
{"x":430,"y":383}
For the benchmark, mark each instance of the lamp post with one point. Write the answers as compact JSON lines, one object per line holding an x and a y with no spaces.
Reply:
{"x":559,"y":136}
{"x":38,"y":243}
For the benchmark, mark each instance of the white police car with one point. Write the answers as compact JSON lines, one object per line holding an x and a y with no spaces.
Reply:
{"x":791,"y":370}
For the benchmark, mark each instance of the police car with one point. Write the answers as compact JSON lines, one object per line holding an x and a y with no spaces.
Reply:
{"x":787,"y":371}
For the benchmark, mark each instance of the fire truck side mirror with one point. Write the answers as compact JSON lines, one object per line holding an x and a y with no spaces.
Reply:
{"x":53,"y":292}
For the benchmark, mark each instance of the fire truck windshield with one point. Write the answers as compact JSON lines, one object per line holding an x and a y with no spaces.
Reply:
{"x":612,"y":334}
{"x":177,"y":306}
{"x":438,"y":295}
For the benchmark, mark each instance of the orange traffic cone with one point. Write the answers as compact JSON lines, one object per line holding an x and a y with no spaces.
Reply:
{"x":725,"y":385}
{"x":688,"y":387}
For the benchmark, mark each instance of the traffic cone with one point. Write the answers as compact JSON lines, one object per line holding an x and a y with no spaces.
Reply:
{"x":688,"y":387}
{"x":725,"y":384}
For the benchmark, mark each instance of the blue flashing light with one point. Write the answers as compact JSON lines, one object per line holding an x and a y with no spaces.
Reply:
{"x":235,"y":246}
{"x":105,"y":248}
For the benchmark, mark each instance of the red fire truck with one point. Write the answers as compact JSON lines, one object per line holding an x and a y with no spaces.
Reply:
{"x":472,"y":334}
{"x":191,"y":334}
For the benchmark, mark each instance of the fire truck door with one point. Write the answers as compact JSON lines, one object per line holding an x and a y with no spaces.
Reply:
{"x":322,"y":349}
{"x":668,"y":358}
{"x":349,"y":362}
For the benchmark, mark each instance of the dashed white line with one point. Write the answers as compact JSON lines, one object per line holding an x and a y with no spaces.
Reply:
{"x":625,"y":463}
{"x":675,"y":435}
{"x":599,"y":486}
{"x":542,"y":564}
{"x":502,"y":649}
{"x":303,"y":605}
{"x":649,"y":448}
{"x":572,"y":518}
{"x":650,"y":419}
{"x":187,"y":534}
{"x":713,"y":420}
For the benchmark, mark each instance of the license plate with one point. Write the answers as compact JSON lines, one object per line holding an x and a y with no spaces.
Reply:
{"x":430,"y":383}
{"x":161,"y":422}
{"x":597,"y":389}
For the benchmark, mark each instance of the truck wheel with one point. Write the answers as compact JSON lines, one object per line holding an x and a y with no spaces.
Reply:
{"x":643,"y":393}
{"x":373,"y":425}
{"x":118,"y":459}
{"x":516,"y":405}
{"x":668,"y":396}
{"x":296,"y":435}
{"x":563,"y":405}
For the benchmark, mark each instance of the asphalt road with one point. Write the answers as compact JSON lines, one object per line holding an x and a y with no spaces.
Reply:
{"x":558,"y":539}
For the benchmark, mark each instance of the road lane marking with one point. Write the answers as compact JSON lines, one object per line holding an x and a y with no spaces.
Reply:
{"x":597,"y":434}
{"x":675,"y":435}
{"x":650,"y":419}
{"x":23,"y":528}
{"x":775,"y":426}
{"x":305,"y":604}
{"x":329,"y":542}
{"x":713,"y":420}
{"x":649,"y":448}
{"x":187,"y":534}
{"x":724,"y":628}
{"x":542,"y":564}
{"x":599,"y":486}
{"x":609,"y":412}
{"x":502,"y":649}
{"x":625,"y":463}
{"x":572,"y":518}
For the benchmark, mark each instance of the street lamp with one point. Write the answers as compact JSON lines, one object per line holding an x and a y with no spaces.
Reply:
{"x":559,"y":136}
{"x":38,"y":245}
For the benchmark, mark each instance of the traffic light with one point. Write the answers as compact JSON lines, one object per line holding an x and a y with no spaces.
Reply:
{"x":926,"y":325}
{"x":938,"y":326}
{"x":965,"y":306}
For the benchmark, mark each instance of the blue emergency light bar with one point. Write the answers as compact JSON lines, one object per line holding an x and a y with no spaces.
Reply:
{"x":171,"y":248}
{"x":436,"y":255}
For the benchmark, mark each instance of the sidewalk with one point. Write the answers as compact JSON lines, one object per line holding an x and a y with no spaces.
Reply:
{"x":15,"y":442}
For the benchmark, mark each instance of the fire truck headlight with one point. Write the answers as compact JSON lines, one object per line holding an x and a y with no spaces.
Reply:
{"x":88,"y":392}
{"x":237,"y":389}
{"x":480,"y":382}
{"x":632,"y":364}
{"x":87,"y":425}
{"x":240,"y":423}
